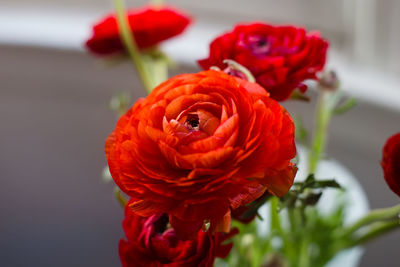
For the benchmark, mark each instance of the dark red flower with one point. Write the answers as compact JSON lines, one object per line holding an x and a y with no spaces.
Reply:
{"x":391,"y":163}
{"x":200,"y":145}
{"x":150,"y":26}
{"x":279,"y":57}
{"x":151,"y":242}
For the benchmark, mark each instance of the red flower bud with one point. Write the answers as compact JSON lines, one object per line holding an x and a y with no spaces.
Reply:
{"x":149,"y":26}
{"x":391,"y":163}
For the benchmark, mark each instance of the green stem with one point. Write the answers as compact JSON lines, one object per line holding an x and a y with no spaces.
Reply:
{"x":159,"y":67}
{"x":275,"y":220}
{"x":377,"y":229}
{"x":377,"y":215}
{"x":323,"y":115}
{"x":292,"y":219}
{"x":130,"y":45}
{"x":304,"y":257}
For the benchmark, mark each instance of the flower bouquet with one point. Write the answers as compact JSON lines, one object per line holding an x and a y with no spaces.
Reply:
{"x":205,"y":165}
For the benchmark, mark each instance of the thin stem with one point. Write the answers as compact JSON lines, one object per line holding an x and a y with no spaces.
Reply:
{"x":377,"y":215}
{"x":323,"y":115}
{"x":275,"y":220}
{"x":159,"y":69}
{"x":304,"y":255}
{"x":377,"y":229}
{"x":292,"y":219}
{"x":130,"y":45}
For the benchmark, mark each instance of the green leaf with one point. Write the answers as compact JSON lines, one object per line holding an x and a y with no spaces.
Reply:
{"x":326,"y":183}
{"x":312,"y":183}
{"x":312,"y":199}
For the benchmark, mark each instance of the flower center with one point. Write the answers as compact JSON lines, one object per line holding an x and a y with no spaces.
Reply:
{"x":161,"y":224}
{"x":259,"y":45}
{"x":192,"y":122}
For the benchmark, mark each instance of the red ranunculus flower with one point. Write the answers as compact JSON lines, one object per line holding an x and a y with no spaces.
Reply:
{"x":391,"y":163}
{"x":150,"y":26}
{"x":152,"y":243}
{"x":199,"y":145}
{"x":279,"y":57}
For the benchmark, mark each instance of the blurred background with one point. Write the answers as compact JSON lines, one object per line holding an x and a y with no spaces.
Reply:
{"x":54,"y":208}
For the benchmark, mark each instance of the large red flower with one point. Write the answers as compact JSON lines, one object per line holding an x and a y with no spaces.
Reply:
{"x":199,"y":145}
{"x":391,"y":163}
{"x":151,"y":243}
{"x":280,"y":57}
{"x":150,"y":26}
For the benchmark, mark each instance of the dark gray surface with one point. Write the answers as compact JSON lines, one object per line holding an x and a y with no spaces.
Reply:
{"x":55,"y":211}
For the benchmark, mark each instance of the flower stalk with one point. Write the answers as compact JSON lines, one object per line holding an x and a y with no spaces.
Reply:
{"x":380,"y":217}
{"x":275,"y":220}
{"x":146,"y":66}
{"x":323,"y":115}
{"x":376,"y":230}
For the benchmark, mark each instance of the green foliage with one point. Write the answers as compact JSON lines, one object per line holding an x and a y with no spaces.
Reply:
{"x":249,"y":247}
{"x":311,"y":237}
{"x":307,"y":193}
{"x":300,"y":234}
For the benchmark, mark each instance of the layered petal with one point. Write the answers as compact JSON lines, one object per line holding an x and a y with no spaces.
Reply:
{"x":149,"y":26}
{"x":281,"y":58}
{"x":199,"y":146}
{"x":150,"y":241}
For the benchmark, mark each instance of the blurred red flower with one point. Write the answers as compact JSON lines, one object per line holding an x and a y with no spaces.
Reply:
{"x":199,"y":145}
{"x":391,"y":163}
{"x":151,"y":242}
{"x":150,"y":26}
{"x":279,"y":57}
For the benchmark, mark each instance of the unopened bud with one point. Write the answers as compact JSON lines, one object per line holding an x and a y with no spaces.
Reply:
{"x":329,"y":81}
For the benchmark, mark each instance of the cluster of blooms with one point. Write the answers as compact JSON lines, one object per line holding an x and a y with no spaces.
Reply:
{"x":201,"y":148}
